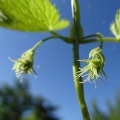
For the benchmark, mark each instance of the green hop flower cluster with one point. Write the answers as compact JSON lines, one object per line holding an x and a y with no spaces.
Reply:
{"x":94,"y":67}
{"x":24,"y":65}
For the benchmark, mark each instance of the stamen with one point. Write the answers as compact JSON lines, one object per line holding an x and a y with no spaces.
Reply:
{"x":11,"y":59}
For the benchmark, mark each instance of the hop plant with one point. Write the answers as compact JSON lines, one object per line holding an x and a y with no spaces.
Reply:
{"x":24,"y":65}
{"x":94,"y":67}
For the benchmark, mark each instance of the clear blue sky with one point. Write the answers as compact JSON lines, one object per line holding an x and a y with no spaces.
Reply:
{"x":53,"y":59}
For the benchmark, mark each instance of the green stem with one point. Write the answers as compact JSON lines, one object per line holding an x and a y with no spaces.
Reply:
{"x":64,"y":38}
{"x":44,"y":40}
{"x":89,"y":36}
{"x":100,"y":36}
{"x":106,"y":39}
{"x":79,"y":86}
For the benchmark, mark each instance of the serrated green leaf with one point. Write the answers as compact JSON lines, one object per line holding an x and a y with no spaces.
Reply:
{"x":115,"y":26}
{"x":30,"y":15}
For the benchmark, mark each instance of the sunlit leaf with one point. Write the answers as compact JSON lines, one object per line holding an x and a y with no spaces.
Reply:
{"x":30,"y":15}
{"x":115,"y":26}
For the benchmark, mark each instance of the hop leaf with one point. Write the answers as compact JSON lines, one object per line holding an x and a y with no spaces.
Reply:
{"x":30,"y":15}
{"x":115,"y":26}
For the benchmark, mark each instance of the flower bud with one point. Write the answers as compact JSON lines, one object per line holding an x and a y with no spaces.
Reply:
{"x":96,"y":53}
{"x":24,"y":65}
{"x":94,"y":67}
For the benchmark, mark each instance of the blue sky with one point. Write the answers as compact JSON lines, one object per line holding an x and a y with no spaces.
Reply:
{"x":53,"y":59}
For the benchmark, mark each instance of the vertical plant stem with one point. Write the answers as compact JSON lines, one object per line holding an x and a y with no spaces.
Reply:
{"x":79,"y":87}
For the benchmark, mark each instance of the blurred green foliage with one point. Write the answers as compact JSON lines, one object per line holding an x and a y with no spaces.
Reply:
{"x":113,"y":110}
{"x":16,"y":103}
{"x":115,"y":26}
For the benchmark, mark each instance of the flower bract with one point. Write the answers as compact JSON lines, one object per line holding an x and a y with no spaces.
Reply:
{"x":24,"y":65}
{"x":94,"y":67}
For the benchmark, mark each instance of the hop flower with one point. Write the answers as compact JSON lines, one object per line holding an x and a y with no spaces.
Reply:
{"x":94,"y":67}
{"x":96,"y":53}
{"x":24,"y":65}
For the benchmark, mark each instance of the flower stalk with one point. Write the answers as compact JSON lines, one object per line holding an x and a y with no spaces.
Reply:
{"x":48,"y":38}
{"x":105,"y":39}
